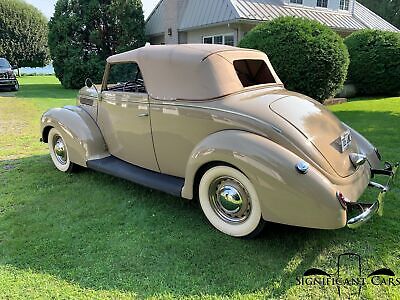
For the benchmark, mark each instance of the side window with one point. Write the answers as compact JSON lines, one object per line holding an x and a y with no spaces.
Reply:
{"x":125,"y":77}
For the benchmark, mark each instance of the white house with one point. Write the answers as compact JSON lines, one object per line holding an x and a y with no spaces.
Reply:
{"x":227,"y":21}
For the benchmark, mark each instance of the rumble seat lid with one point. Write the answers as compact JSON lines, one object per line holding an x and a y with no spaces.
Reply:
{"x":321,"y":127}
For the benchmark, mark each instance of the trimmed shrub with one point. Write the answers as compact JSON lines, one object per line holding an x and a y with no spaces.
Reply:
{"x":309,"y":57}
{"x":374,"y":62}
{"x":82,"y":34}
{"x":23,"y":34}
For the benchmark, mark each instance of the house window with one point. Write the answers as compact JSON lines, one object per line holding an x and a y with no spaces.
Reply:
{"x":322,"y":3}
{"x":296,"y":1}
{"x":344,"y":4}
{"x":208,"y":40}
{"x":220,"y":40}
{"x":229,"y":40}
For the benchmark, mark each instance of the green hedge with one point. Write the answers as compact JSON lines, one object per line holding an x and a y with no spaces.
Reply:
{"x":374,"y":62}
{"x":309,"y":57}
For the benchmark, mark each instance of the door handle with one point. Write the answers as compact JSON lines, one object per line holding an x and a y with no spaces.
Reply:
{"x":143,"y":115}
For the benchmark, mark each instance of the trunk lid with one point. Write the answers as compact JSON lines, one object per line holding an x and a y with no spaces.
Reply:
{"x":321,"y":127}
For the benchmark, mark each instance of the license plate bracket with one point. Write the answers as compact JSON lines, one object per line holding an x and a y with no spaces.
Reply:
{"x":345,"y":140}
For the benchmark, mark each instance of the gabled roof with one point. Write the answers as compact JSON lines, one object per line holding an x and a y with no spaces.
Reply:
{"x":201,"y":13}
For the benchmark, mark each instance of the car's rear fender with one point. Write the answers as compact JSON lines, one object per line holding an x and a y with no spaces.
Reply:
{"x":80,"y":132}
{"x":286,"y":196}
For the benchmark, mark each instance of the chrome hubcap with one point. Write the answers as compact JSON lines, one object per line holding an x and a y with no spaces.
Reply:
{"x":59,"y":150}
{"x":230,"y":200}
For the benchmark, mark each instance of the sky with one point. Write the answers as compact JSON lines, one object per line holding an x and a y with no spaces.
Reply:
{"x":47,"y":6}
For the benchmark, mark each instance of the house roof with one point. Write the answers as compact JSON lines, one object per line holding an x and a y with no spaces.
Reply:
{"x":208,"y":12}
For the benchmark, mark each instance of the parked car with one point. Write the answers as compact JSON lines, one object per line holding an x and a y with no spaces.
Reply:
{"x":8,"y":79}
{"x":216,"y":123}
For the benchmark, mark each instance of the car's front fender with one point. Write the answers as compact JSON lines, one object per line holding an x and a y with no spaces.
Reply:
{"x":286,"y":196}
{"x":81,"y":133}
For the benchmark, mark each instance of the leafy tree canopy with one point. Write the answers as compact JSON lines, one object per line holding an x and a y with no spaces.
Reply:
{"x":83,"y":33}
{"x":23,"y":34}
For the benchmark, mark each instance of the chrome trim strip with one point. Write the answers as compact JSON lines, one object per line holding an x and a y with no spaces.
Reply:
{"x":219,"y":110}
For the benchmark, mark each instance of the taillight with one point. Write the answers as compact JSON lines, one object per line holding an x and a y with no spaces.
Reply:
{"x":342,"y":199}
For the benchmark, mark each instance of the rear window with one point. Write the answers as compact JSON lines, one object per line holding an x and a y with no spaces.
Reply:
{"x":253,"y":72}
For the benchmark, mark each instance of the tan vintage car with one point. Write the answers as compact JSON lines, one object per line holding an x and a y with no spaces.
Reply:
{"x":215,"y":123}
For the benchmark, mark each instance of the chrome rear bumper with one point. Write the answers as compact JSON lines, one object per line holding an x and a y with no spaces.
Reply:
{"x":367,"y":211}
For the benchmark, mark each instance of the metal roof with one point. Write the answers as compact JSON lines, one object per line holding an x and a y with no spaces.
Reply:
{"x":206,"y":12}
{"x":269,"y":9}
{"x":155,"y":22}
{"x":202,"y":13}
{"x":372,"y":20}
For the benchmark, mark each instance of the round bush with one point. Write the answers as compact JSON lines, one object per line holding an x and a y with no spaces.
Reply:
{"x":374,"y":62}
{"x":309,"y":57}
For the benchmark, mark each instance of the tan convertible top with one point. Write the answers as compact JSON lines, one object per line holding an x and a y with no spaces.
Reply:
{"x":190,"y":71}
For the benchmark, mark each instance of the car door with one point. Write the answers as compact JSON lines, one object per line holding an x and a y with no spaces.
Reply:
{"x":124,"y":118}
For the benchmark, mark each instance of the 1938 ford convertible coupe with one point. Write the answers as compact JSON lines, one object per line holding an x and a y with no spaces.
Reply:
{"x":216,"y":123}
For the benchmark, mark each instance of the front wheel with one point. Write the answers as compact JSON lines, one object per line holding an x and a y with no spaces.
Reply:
{"x":15,"y":88}
{"x":230,"y":202}
{"x":59,"y":152}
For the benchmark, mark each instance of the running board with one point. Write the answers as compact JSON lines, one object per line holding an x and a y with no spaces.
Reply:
{"x":154,"y":180}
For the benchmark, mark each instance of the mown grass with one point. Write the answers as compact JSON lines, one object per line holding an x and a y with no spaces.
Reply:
{"x":92,"y":236}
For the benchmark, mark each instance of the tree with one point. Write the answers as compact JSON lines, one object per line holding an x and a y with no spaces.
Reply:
{"x":309,"y":57}
{"x":387,"y":9}
{"x":23,"y":34}
{"x":83,"y":33}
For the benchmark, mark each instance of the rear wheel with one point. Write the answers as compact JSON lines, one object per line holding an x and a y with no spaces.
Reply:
{"x":59,"y":151}
{"x":229,"y":201}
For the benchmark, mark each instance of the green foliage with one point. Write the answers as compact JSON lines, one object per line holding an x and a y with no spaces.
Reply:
{"x":388,"y":9}
{"x":374,"y":62}
{"x":23,"y":34}
{"x":309,"y":57}
{"x":84,"y":33}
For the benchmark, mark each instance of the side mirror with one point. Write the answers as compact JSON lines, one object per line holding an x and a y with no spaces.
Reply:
{"x":14,"y":67}
{"x":89,"y":83}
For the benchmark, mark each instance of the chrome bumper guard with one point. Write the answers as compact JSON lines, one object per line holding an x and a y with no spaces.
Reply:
{"x":367,"y":211}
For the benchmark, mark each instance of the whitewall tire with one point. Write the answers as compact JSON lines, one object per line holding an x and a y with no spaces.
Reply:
{"x":230,"y":202}
{"x":59,"y":151}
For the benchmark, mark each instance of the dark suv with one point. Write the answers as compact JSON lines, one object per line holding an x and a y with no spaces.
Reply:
{"x":7,"y":76}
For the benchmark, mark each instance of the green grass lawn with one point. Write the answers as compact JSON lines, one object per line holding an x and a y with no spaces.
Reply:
{"x":92,"y":236}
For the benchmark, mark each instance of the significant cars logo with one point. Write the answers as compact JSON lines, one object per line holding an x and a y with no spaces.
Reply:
{"x":348,"y":277}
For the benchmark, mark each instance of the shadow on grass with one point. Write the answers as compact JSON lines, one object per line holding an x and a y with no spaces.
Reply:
{"x":52,"y":91}
{"x":107,"y":233}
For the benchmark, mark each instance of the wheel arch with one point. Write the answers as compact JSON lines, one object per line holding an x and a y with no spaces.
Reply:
{"x":204,"y":168}
{"x":286,"y":196}
{"x":80,"y":132}
{"x":45,"y":133}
